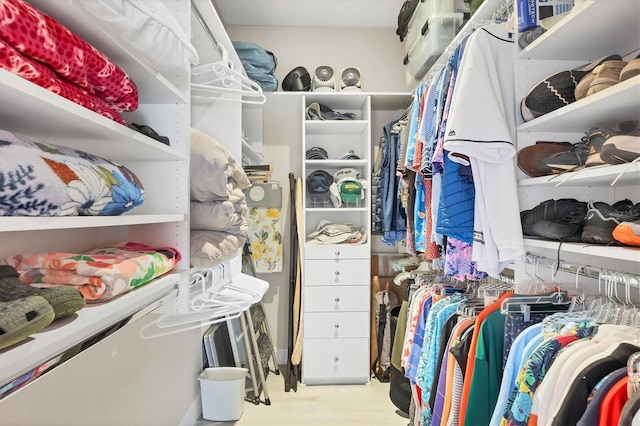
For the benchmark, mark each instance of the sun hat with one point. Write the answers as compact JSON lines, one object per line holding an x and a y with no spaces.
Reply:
{"x":316,"y":153}
{"x":318,"y":184}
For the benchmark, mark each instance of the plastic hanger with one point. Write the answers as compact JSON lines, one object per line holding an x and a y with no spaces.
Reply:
{"x":221,"y":78}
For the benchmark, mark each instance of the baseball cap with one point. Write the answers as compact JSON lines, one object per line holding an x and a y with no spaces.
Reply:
{"x":351,"y":191}
{"x":318,"y":184}
{"x":346,"y":173}
{"x":316,"y":153}
{"x":349,"y":155}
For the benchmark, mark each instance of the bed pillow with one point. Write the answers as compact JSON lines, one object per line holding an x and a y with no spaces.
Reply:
{"x":219,"y":216}
{"x":208,"y":248}
{"x":214,"y":171}
{"x":43,"y":179}
{"x":149,"y":28}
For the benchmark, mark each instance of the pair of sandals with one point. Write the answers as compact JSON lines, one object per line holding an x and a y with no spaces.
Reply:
{"x":318,"y":111}
{"x":148,"y":131}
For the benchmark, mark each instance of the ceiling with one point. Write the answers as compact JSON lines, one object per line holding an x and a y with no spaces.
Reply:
{"x":321,"y":13}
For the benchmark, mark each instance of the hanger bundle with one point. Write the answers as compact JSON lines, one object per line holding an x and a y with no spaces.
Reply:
{"x":222,"y":79}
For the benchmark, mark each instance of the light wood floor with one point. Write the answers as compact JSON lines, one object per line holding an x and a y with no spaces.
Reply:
{"x":320,"y":406}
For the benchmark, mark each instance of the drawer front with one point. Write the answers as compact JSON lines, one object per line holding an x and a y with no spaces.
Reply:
{"x":335,"y":361}
{"x":337,"y":272}
{"x":337,"y":251}
{"x":336,"y":325}
{"x":336,"y":299}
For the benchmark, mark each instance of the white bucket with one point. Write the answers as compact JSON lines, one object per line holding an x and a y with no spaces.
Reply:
{"x":222,"y":393}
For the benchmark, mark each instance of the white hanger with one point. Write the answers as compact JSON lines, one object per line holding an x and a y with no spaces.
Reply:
{"x":215,"y":301}
{"x":220,"y":77}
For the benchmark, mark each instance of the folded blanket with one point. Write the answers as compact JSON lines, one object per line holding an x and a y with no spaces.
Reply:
{"x":99,"y":274}
{"x":37,"y":73}
{"x":41,"y":179}
{"x":40,"y":37}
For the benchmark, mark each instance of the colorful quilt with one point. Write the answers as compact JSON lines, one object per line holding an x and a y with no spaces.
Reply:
{"x":42,"y":38}
{"x":42,"y":179}
{"x":99,"y":274}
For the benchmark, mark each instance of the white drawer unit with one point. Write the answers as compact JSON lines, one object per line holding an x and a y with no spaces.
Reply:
{"x":339,"y":325}
{"x":337,"y":272}
{"x":336,"y":361}
{"x":336,"y":299}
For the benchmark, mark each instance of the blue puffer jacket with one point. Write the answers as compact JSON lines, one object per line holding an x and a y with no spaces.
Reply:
{"x":455,"y":214}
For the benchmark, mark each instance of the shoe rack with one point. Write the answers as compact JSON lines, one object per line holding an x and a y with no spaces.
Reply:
{"x":593,"y":30}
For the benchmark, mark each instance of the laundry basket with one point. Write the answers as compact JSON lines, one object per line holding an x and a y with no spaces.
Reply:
{"x":222,"y":393}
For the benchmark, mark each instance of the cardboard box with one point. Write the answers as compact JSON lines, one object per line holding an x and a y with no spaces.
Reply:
{"x":532,"y":12}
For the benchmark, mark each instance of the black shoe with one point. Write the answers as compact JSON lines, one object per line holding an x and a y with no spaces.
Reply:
{"x":573,"y":159}
{"x":602,"y":219}
{"x":559,"y":220}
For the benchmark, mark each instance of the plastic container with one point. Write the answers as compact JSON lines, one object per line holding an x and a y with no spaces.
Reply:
{"x":436,"y":35}
{"x":222,"y":393}
{"x":424,"y":10}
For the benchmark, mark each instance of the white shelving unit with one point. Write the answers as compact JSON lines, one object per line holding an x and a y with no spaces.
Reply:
{"x":336,"y":283}
{"x":574,"y":41}
{"x":100,"y":348}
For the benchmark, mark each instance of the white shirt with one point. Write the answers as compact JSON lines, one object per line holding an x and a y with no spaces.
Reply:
{"x":482,"y":126}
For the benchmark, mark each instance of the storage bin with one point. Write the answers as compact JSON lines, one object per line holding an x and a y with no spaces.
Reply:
{"x":222,"y":393}
{"x":438,"y":33}
{"x":422,"y":13}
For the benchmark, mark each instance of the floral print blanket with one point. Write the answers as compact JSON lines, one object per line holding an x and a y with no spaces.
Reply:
{"x":99,"y":274}
{"x":42,"y":179}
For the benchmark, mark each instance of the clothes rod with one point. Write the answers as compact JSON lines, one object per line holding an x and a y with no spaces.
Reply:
{"x":205,"y":27}
{"x":582,"y":270}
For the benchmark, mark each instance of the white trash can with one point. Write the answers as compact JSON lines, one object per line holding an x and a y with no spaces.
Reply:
{"x":222,"y":393}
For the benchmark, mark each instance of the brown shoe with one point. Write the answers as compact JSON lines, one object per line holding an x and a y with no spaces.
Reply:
{"x":630,"y":70}
{"x":607,"y":74}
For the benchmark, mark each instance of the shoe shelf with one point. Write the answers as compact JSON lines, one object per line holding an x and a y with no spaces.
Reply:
{"x":50,"y":117}
{"x":586,"y":23}
{"x":65,"y":333}
{"x":617,"y":103}
{"x":613,"y":252}
{"x":590,"y":176}
{"x":153,"y":87}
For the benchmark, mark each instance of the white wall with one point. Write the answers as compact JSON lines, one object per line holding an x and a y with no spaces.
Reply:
{"x":376,"y":51}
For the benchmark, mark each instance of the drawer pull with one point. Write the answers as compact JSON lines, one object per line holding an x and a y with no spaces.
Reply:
{"x":336,"y":359}
{"x":337,"y":273}
{"x":337,"y":326}
{"x":337,"y":253}
{"x":337,"y":299}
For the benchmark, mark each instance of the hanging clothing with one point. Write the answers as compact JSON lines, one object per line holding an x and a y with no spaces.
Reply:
{"x":485,"y":133}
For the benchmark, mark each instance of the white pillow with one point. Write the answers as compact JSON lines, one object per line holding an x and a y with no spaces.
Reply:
{"x":209,"y":248}
{"x":214,"y":172}
{"x":149,"y":28}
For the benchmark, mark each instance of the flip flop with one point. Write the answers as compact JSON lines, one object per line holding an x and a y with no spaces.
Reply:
{"x":148,"y":131}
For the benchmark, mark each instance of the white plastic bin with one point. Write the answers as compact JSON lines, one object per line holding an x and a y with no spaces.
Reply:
{"x":222,"y":393}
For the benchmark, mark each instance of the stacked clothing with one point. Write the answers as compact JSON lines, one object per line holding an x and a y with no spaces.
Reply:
{"x":39,"y":49}
{"x":218,"y":206}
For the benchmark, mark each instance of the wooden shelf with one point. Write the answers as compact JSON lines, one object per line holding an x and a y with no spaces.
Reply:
{"x":591,"y":176}
{"x":336,"y":127}
{"x":379,"y":100}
